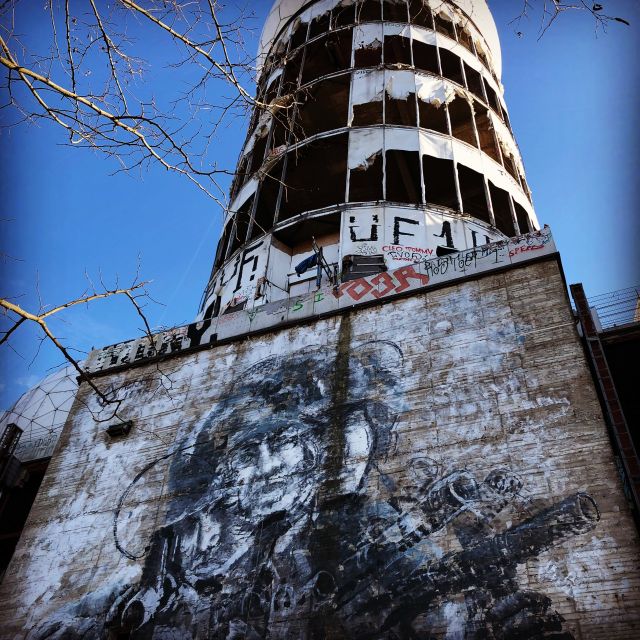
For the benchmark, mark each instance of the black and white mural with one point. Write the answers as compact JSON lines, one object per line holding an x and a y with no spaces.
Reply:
{"x":291,"y":516}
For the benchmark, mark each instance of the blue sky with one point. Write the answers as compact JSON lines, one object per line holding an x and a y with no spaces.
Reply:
{"x":573,"y":102}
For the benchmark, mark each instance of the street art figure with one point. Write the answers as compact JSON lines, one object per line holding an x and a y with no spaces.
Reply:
{"x":287,"y":522}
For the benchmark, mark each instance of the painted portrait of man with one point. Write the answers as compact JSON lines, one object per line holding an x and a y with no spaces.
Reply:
{"x":287,"y":518}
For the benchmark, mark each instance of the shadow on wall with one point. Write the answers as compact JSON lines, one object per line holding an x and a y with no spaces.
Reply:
{"x":284,"y":524}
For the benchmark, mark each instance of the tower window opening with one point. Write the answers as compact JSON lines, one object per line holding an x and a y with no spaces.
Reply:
{"x":523,"y":218}
{"x":402,"y":169}
{"x":240,"y":176}
{"x":292,"y":72}
{"x":509,"y":164}
{"x":525,"y":186}
{"x":268,"y":193}
{"x":420,"y":14}
{"x":451,"y":66}
{"x":474,"y":196}
{"x":323,"y":106}
{"x":324,"y":228}
{"x":505,"y":117}
{"x":484,"y":126}
{"x":257,"y":153}
{"x":474,"y":81}
{"x":432,"y":117}
{"x":401,"y":111}
{"x":444,"y":25}
{"x":365,"y":182}
{"x":241,"y":224}
{"x":492,"y":98}
{"x":327,"y":55}
{"x":281,"y":128}
{"x":439,"y":182}
{"x":320,"y":24}
{"x":465,"y":39}
{"x":369,"y":10}
{"x":368,"y":113}
{"x":425,"y":57}
{"x":344,"y":16}
{"x":262,"y":223}
{"x":221,"y":251}
{"x":299,"y":35}
{"x":394,"y":10}
{"x":368,"y":56}
{"x":461,"y":120}
{"x":315,"y":176}
{"x":500,"y":200}
{"x":482,"y":56}
{"x":397,"y":50}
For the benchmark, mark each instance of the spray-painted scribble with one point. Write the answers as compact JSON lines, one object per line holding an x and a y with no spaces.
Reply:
{"x":285,"y":522}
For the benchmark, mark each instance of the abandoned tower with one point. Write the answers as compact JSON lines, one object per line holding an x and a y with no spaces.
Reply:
{"x":382,"y":423}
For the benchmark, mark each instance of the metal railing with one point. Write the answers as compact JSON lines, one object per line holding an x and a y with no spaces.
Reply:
{"x":617,"y":307}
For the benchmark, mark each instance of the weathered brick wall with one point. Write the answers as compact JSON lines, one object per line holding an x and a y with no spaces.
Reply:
{"x":431,"y":463}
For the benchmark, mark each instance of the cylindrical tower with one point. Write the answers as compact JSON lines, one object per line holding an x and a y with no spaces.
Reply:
{"x":381,"y":137}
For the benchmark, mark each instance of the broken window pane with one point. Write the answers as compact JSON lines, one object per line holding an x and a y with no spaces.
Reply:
{"x":505,"y":117}
{"x":241,"y":225}
{"x":492,"y":98}
{"x":402,"y":172}
{"x":291,"y":72}
{"x":299,"y":36}
{"x":344,"y":16}
{"x":464,"y":38}
{"x":502,"y":210}
{"x":268,"y":192}
{"x":262,"y":223}
{"x":369,"y":10}
{"x":221,"y":250}
{"x":523,"y":218}
{"x":420,"y":13}
{"x":401,"y":111}
{"x":394,"y":11}
{"x":432,"y":116}
{"x":525,"y":186}
{"x":451,"y":66}
{"x":461,"y":120}
{"x":439,"y":182}
{"x":425,"y":57}
{"x":323,"y":106}
{"x":315,"y":176}
{"x":369,"y":56}
{"x":509,"y":163}
{"x":319,"y":25}
{"x":365,"y":182}
{"x":474,"y":198}
{"x":281,"y":128}
{"x":486,"y":134}
{"x":368,"y":113}
{"x":474,"y":81}
{"x":397,"y":50}
{"x":257,"y":154}
{"x":327,"y":55}
{"x":444,"y":25}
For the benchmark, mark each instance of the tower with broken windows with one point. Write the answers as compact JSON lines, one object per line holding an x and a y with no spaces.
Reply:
{"x":383,"y":423}
{"x":381,"y":137}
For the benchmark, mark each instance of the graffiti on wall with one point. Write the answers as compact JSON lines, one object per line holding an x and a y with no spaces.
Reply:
{"x":426,"y":271}
{"x":289,"y":519}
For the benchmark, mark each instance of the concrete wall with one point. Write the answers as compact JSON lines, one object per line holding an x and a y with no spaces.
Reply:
{"x":434,"y":463}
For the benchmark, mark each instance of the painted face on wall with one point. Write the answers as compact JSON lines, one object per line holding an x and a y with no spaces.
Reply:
{"x":274,"y":470}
